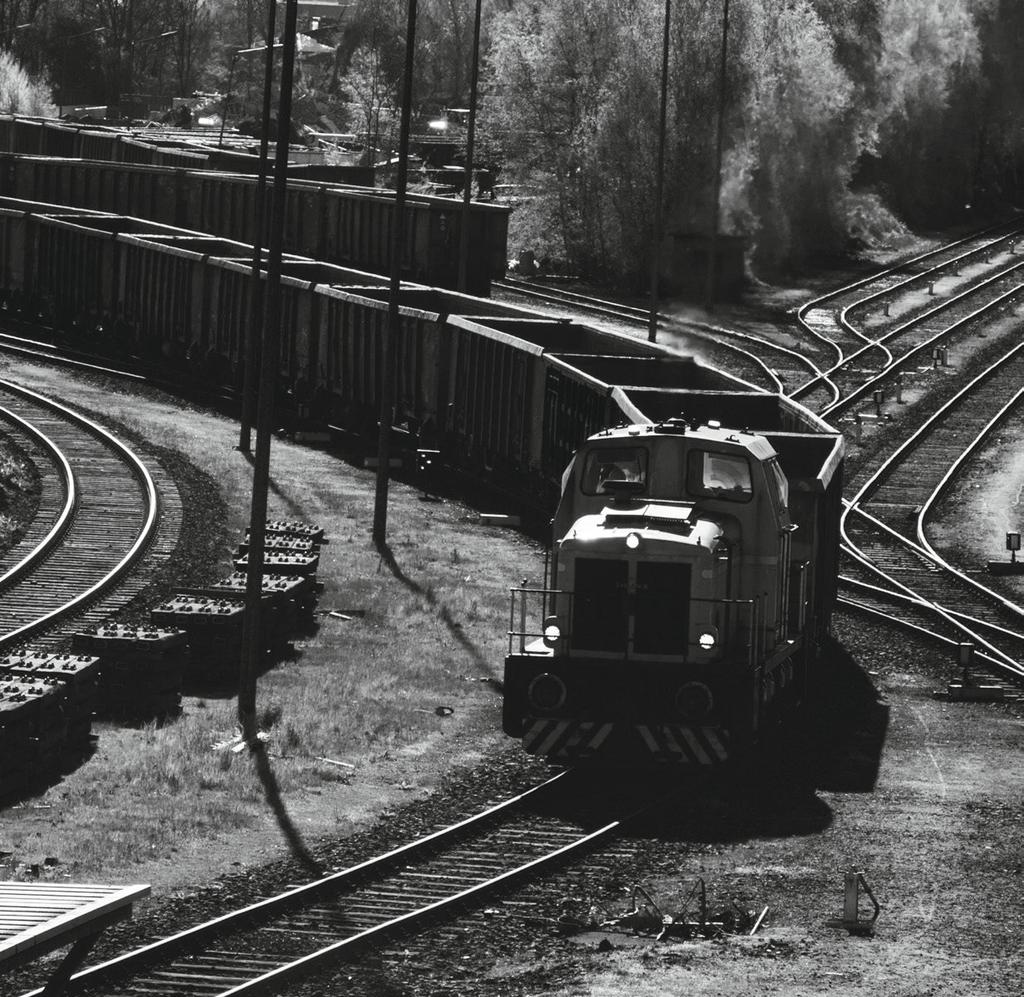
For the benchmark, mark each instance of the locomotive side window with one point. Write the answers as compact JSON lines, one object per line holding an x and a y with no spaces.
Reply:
{"x":719,"y":475}
{"x":776,"y":474}
{"x":607,"y":466}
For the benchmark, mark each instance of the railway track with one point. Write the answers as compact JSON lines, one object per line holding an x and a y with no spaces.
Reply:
{"x":269,"y":945}
{"x":888,"y":305}
{"x":884,"y":525}
{"x":757,"y":359}
{"x":98,"y":513}
{"x":889,"y":568}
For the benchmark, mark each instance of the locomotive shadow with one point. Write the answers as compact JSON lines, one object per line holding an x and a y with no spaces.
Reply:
{"x":846,"y":726}
{"x":835,"y":746}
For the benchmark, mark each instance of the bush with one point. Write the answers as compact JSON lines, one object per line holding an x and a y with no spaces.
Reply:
{"x":22,"y":94}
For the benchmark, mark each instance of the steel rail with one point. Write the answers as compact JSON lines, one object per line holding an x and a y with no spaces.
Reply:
{"x":944,"y":485}
{"x":953,"y":618}
{"x":842,"y":321}
{"x":640,"y":318}
{"x":144,"y":534}
{"x":923,"y":604}
{"x":993,"y":664}
{"x":845,"y":402}
{"x":41,"y":350}
{"x":272,"y":906}
{"x":318,"y":959}
{"x":60,"y":524}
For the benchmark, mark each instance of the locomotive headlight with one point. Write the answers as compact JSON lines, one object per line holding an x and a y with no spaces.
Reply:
{"x":708,"y":640}
{"x":546,"y":692}
{"x":632,"y":540}
{"x":552,"y":631}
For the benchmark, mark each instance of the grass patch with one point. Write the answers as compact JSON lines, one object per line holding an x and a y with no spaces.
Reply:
{"x":394,"y":694}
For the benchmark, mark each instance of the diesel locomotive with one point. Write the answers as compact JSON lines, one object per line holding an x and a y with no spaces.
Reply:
{"x":690,"y":585}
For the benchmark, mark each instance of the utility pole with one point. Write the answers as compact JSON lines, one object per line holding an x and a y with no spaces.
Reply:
{"x":659,"y":183}
{"x":719,"y":140}
{"x":387,"y":374}
{"x":253,"y":644}
{"x":254,"y":333}
{"x":467,"y":184}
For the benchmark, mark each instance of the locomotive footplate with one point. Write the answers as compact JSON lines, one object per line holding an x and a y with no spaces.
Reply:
{"x":573,"y":740}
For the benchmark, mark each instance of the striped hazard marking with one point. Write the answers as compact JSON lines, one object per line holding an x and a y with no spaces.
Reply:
{"x":693,"y":745}
{"x":564,"y":738}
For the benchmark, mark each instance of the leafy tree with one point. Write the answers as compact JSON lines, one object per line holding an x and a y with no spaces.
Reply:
{"x":20,"y":93}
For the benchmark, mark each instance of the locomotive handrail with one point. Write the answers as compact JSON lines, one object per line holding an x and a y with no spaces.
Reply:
{"x":755,"y":641}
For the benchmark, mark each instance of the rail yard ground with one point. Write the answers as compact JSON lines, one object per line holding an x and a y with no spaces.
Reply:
{"x":922,"y":795}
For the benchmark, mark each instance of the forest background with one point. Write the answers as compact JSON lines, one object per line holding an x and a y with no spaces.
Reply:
{"x":843,"y":121}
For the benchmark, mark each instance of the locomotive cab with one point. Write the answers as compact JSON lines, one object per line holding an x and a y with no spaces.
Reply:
{"x":666,"y":624}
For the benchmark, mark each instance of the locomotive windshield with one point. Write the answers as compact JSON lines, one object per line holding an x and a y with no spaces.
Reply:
{"x":719,"y":475}
{"x":606,"y":467}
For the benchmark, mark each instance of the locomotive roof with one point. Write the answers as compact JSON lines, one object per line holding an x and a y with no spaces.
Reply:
{"x":755,"y":443}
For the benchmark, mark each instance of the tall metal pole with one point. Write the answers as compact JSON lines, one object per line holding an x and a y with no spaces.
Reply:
{"x":387,"y":372}
{"x":254,"y":333}
{"x":227,"y":97}
{"x":709,"y":297}
{"x":252,"y":631}
{"x":659,"y":183}
{"x":467,"y":184}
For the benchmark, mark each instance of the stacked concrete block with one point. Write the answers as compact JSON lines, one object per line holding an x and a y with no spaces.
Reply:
{"x":141,"y":669}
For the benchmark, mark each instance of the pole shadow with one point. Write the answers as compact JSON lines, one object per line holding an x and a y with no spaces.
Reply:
{"x":272,"y":794}
{"x":293,"y":507}
{"x":444,"y":614}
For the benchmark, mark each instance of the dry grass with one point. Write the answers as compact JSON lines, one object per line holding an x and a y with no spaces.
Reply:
{"x":19,"y":492}
{"x":364,"y":691}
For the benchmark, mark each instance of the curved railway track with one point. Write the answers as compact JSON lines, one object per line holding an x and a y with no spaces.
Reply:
{"x":884,"y":524}
{"x":97,"y":514}
{"x":888,"y":297}
{"x":764,"y":363}
{"x":267,"y":946}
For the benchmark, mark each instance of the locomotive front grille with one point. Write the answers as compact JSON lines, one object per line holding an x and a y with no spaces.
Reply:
{"x":638,"y":607}
{"x":660,"y":615}
{"x":601,"y":605}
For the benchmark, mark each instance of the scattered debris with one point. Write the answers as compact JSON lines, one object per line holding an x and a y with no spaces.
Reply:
{"x":332,"y":761}
{"x":647,"y":918}
{"x":236,"y":744}
{"x":344,"y":614}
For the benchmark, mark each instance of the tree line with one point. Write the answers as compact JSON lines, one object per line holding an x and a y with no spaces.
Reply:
{"x":841,"y":120}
